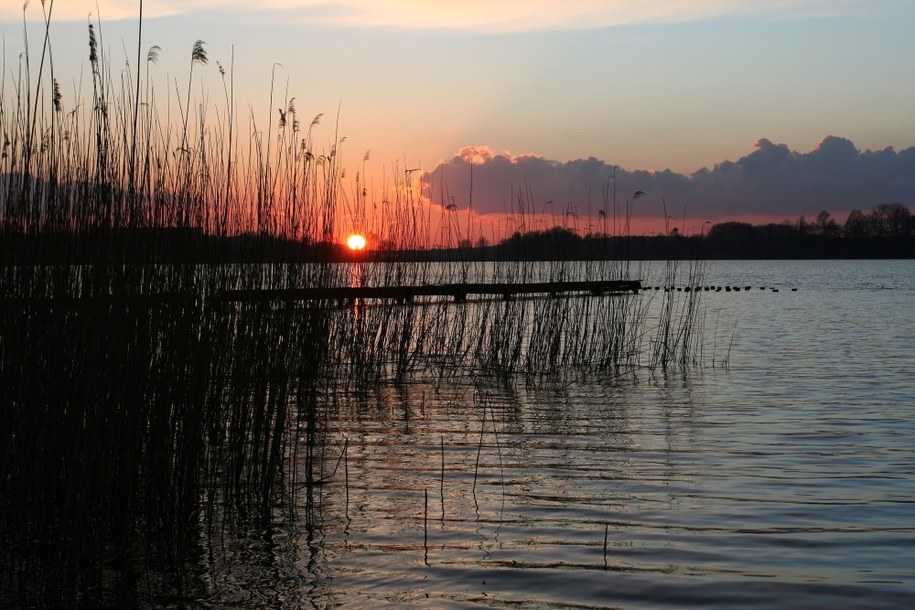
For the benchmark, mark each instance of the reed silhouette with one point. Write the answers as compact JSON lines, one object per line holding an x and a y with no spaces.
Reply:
{"x":142,"y":417}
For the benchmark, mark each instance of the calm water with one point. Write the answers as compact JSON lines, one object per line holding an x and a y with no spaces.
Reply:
{"x":781,"y":473}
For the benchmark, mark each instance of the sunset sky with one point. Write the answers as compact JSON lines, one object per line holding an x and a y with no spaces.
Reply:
{"x":749,"y":109}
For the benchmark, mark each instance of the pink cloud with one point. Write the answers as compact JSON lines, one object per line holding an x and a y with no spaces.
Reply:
{"x":771,"y":182}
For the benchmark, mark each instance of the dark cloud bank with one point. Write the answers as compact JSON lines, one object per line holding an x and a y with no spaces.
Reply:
{"x":772,"y":180}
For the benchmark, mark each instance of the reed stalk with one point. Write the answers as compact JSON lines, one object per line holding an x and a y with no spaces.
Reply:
{"x":140,"y":413}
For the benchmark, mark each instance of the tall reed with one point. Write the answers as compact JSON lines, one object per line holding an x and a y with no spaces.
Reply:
{"x":141,"y":413}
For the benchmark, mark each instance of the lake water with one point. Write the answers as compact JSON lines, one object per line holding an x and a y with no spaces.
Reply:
{"x":779,"y":473}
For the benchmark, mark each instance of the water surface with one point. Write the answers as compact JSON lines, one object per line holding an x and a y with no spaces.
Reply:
{"x":778,"y":473}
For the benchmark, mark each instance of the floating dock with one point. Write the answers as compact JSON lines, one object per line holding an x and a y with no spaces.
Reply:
{"x":346,"y":295}
{"x":458,"y":292}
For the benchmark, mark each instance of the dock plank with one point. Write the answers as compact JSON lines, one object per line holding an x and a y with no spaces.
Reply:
{"x":459,"y":292}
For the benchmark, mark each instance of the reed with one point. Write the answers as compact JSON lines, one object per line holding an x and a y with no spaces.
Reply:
{"x":132,"y":409}
{"x":606,"y":534}
{"x":426,"y":526}
{"x":678,"y":337}
{"x":442,"y":480}
{"x":140,"y":415}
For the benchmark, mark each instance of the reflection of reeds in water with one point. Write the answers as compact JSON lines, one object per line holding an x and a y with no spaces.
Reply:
{"x":139,"y":416}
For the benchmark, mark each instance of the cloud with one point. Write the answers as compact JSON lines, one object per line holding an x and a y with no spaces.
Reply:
{"x":771,"y":180}
{"x":477,"y":15}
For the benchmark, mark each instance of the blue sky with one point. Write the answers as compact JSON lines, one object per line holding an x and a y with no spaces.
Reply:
{"x":647,"y":85}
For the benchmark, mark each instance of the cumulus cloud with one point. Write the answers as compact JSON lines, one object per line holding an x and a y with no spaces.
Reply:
{"x":480,"y":15}
{"x":771,"y":180}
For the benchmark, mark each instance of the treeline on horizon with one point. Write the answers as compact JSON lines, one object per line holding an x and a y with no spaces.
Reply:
{"x":887,"y":231}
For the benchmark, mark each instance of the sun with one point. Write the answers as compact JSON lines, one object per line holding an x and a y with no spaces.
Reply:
{"x":355,"y":242}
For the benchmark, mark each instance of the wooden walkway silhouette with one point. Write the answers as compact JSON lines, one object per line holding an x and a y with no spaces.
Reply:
{"x":406,"y":294}
{"x":342,"y":295}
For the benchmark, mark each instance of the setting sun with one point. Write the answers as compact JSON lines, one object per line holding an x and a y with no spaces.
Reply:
{"x":355,"y":242}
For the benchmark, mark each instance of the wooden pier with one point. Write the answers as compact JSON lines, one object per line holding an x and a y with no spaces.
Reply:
{"x":406,"y":294}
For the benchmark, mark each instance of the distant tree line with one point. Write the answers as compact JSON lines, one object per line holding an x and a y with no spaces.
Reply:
{"x":885,"y":220}
{"x":887,"y":231}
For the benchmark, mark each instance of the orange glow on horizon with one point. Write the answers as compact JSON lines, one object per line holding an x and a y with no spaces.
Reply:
{"x":356,"y":242}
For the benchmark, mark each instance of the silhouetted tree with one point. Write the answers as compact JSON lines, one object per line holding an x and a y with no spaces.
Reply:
{"x":891,"y":219}
{"x":826,"y":225}
{"x":858,"y":225}
{"x":557,"y":242}
{"x":803,"y":227}
{"x":731,"y":239}
{"x":732,"y":231}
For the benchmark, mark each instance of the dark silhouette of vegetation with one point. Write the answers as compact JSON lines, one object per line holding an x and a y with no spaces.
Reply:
{"x":148,"y":425}
{"x":888,"y":231}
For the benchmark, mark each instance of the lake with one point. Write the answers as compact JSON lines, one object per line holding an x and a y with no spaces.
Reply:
{"x":778,"y":472}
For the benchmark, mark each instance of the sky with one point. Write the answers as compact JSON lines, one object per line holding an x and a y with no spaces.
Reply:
{"x":757,"y":110}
